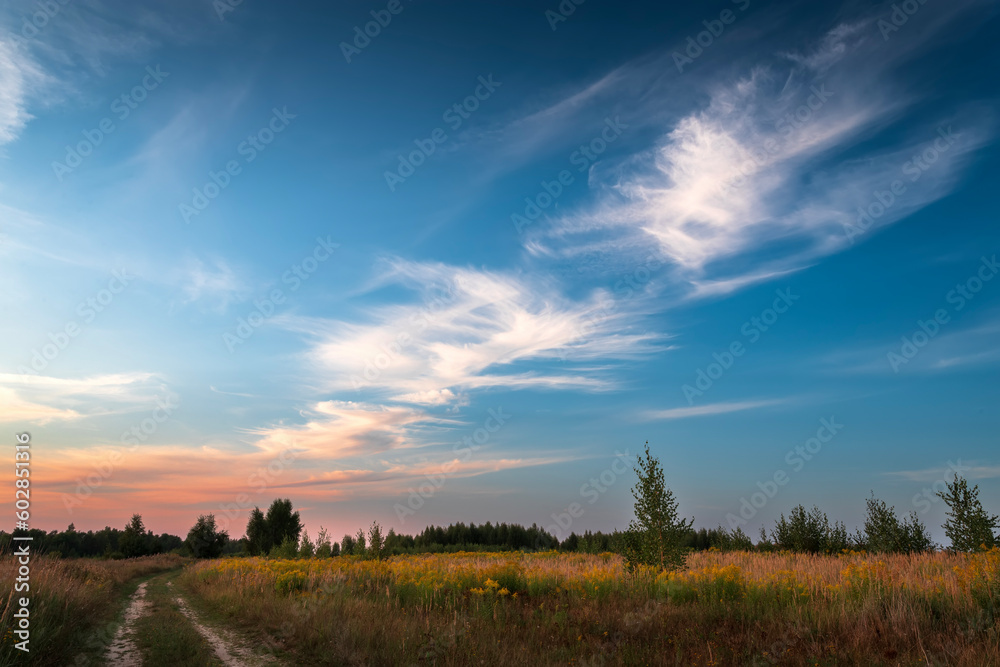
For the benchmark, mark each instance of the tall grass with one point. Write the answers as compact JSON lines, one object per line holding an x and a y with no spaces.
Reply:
{"x":73,"y":604}
{"x":731,"y":608}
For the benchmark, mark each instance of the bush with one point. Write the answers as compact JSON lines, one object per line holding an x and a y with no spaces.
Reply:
{"x":288,"y":549}
{"x":809,"y":532}
{"x":885,"y":533}
{"x":306,"y":548}
{"x":734,"y":540}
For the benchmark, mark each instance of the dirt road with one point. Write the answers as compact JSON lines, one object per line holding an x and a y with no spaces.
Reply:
{"x":160,"y":627}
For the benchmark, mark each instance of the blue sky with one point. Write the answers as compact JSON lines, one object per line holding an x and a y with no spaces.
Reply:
{"x":247,"y":253}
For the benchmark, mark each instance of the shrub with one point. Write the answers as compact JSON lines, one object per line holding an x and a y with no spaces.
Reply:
{"x":733,"y":540}
{"x":306,"y":547}
{"x":288,"y":549}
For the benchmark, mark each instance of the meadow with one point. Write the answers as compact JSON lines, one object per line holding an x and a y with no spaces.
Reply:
{"x":74,"y":605}
{"x":549,"y":608}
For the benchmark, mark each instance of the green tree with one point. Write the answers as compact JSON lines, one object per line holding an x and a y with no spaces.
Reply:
{"x":734,"y":540}
{"x":258,"y":534}
{"x":359,"y":543}
{"x":375,"y":541}
{"x":656,"y":535}
{"x":884,"y":532}
{"x":132,"y":542}
{"x":282,"y":522}
{"x":347,"y":546}
{"x":802,"y":531}
{"x":969,"y":526}
{"x":323,"y":547}
{"x":288,"y":549}
{"x":205,"y":540}
{"x":306,"y":548}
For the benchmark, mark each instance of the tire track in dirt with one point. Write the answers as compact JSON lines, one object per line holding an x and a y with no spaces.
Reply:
{"x":123,"y":652}
{"x":228,"y":648}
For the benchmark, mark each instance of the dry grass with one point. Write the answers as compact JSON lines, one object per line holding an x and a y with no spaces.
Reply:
{"x":73,"y":604}
{"x":739,"y":608}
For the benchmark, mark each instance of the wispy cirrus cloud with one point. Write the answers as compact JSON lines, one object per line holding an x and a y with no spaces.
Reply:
{"x":19,"y":76}
{"x":473,"y":330}
{"x":339,"y":429}
{"x":711,"y":409}
{"x":215,"y":283}
{"x":969,"y":470}
{"x":41,"y":399}
{"x":763,"y":179}
{"x":948,"y":351}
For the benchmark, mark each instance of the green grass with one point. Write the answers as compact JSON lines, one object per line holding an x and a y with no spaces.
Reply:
{"x":76,"y":606}
{"x":100,"y":635}
{"x":267,"y":644}
{"x":165,"y":636}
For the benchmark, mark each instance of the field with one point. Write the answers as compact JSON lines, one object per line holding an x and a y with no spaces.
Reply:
{"x":577,"y":609}
{"x":74,"y":605}
{"x":525,"y":609}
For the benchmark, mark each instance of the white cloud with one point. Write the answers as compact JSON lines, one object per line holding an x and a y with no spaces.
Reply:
{"x":38,"y":398}
{"x":968,"y":470}
{"x":759,"y":182}
{"x":949,"y":350}
{"x":712,"y":409}
{"x":474,"y":330}
{"x":13,"y":408}
{"x":18,"y":75}
{"x":338,"y":429}
{"x":216,"y":283}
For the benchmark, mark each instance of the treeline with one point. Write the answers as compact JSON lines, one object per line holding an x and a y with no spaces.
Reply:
{"x":106,"y":543}
{"x":280,"y":534}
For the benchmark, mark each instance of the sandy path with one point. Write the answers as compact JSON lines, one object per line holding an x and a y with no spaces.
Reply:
{"x":226,"y":645}
{"x":123,"y":652}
